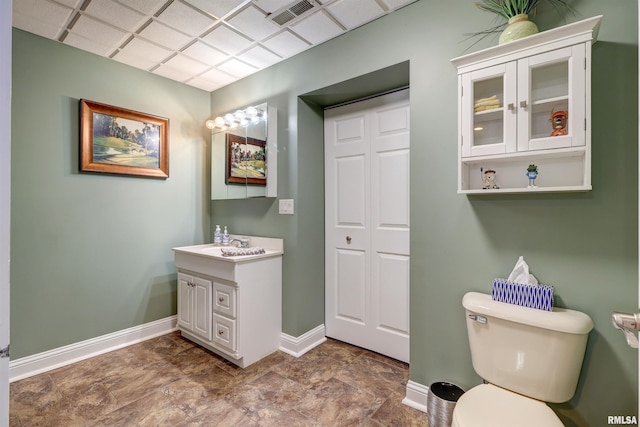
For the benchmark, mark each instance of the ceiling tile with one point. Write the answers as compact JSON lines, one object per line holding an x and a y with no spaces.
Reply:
{"x":237,"y":68}
{"x":99,"y":32}
{"x":271,"y":6}
{"x":51,"y":15}
{"x":226,"y":40}
{"x":120,"y":16}
{"x":207,"y":85}
{"x":317,"y":28}
{"x":181,"y":62}
{"x":259,"y":57}
{"x":186,"y":19}
{"x":217,"y":76}
{"x":69,"y":3}
{"x":165,"y":36}
{"x":286,"y":44}
{"x":80,"y":42}
{"x":135,"y":60}
{"x":148,"y":7}
{"x":218,"y":8}
{"x":172,"y":73}
{"x":395,"y":4}
{"x":34,"y":26}
{"x":253,"y":23}
{"x":146,"y":50}
{"x":205,"y":53}
{"x":354,"y":13}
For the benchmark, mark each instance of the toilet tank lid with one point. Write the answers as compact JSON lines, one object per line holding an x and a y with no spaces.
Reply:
{"x":560,"y":319}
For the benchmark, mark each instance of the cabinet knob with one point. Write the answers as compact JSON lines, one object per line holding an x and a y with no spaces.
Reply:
{"x":511,"y":106}
{"x":349,"y":239}
{"x":523,"y":104}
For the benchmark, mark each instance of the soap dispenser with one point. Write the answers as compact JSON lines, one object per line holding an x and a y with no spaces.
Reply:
{"x":225,"y":237}
{"x":217,"y":236}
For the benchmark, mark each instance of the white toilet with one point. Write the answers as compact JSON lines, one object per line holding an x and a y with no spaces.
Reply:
{"x":526,"y":357}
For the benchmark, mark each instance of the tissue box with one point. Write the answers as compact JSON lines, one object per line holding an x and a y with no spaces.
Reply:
{"x":533,"y":296}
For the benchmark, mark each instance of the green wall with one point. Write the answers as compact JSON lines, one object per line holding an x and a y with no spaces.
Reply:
{"x":91,"y":254}
{"x":584,"y":244}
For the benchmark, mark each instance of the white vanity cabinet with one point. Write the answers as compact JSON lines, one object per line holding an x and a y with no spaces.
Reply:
{"x":231,"y":305}
{"x":507,"y":95}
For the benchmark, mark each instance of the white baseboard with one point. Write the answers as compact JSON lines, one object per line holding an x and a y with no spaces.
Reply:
{"x":297,"y":346}
{"x":62,"y":356}
{"x":417,"y":395}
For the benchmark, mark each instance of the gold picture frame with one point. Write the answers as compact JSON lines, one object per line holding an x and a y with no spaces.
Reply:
{"x":115,"y":140}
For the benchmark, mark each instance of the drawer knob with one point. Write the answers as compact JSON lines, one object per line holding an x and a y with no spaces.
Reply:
{"x":220,"y":332}
{"x":349,"y":239}
{"x":220,"y":299}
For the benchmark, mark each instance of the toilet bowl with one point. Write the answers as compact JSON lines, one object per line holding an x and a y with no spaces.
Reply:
{"x":526,"y":357}
{"x":487,"y":405}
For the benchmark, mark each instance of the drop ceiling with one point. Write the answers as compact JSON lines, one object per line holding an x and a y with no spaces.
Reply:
{"x":203,"y":43}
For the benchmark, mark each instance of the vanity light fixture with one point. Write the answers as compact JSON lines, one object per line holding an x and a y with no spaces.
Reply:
{"x":239,"y":118}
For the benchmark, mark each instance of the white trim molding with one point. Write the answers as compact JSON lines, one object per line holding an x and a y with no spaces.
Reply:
{"x":297,"y":346}
{"x":417,"y":396}
{"x":63,"y":356}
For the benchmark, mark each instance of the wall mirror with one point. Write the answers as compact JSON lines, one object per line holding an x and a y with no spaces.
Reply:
{"x":244,"y":155}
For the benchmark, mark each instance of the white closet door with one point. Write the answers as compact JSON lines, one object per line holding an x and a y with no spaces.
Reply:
{"x":367,"y":224}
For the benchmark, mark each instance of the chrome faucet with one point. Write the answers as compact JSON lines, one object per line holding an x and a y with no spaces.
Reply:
{"x":242,"y":243}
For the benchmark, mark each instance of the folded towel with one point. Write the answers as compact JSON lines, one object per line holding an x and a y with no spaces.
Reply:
{"x":486,"y":108}
{"x":486,"y":101}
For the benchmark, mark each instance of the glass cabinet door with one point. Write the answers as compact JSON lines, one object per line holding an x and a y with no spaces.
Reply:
{"x":551,"y":100}
{"x":488,"y":116}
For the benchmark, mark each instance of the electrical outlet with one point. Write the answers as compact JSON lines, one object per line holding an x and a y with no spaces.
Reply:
{"x":285,"y":207}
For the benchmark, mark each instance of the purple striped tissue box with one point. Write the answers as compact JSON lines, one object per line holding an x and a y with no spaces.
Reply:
{"x":533,"y":296}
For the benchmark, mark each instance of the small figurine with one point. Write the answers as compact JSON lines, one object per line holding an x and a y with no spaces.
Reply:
{"x":489,"y":179}
{"x":532,"y":174}
{"x":559,"y":122}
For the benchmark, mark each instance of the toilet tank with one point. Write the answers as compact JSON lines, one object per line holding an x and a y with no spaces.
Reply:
{"x":533,"y":352}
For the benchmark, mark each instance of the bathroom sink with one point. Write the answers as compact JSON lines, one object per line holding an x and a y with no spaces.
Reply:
{"x":270,"y":247}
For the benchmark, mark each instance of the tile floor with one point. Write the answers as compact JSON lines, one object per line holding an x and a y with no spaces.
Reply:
{"x":169,"y":381}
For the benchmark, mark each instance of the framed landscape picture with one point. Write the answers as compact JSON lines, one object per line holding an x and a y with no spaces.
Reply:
{"x":119,"y":141}
{"x":246,"y":160}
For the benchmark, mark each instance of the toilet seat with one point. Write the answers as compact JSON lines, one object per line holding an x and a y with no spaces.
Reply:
{"x":487,"y":405}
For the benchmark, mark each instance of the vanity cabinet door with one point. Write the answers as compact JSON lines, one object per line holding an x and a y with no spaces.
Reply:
{"x":194,"y":305}
{"x":185,"y":302}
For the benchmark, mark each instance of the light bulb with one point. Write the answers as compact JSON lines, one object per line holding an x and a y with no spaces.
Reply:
{"x":251,"y":111}
{"x":211,"y":124}
{"x":219,"y":121}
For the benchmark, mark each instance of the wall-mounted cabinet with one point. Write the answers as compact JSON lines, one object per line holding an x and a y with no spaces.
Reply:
{"x":244,"y":158}
{"x":527,"y":102}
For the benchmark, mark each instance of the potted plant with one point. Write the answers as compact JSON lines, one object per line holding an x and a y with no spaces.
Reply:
{"x":516,"y":15}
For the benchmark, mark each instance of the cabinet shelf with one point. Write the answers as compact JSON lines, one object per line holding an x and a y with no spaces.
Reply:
{"x":531,"y":155}
{"x":520,"y":190}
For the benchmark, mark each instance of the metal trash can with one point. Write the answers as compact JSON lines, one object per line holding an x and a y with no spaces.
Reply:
{"x":441,"y":400}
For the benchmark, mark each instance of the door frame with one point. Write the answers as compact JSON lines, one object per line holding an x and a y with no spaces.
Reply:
{"x":5,"y":199}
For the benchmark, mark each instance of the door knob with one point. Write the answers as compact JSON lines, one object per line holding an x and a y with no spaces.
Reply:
{"x":349,"y":240}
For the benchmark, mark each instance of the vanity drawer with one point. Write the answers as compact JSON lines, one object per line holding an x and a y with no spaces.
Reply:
{"x":224,"y":299}
{"x":224,"y":332}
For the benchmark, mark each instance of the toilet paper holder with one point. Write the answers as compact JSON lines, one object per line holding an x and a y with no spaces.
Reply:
{"x":629,"y":324}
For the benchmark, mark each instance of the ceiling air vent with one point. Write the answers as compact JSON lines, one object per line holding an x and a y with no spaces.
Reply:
{"x":286,"y":15}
